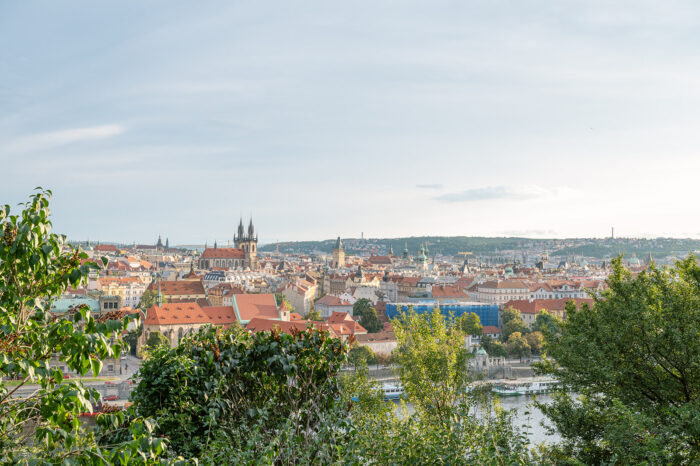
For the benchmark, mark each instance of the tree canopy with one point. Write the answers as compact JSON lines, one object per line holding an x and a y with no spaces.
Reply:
{"x":432,"y":358}
{"x":518,"y":346}
{"x":369,"y":318}
{"x":149,"y":298}
{"x":36,"y":266}
{"x":314,"y":315}
{"x":470,"y":324}
{"x":215,"y":385}
{"x":511,"y":322}
{"x":157,"y":339}
{"x":634,"y":358}
{"x":546,"y":322}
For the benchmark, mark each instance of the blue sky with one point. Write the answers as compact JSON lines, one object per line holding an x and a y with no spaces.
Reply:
{"x":534,"y":118}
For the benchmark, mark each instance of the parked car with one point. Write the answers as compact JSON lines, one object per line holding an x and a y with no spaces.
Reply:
{"x":111,"y":397}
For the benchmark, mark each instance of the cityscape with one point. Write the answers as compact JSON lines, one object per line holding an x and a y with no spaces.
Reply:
{"x":366,"y":233}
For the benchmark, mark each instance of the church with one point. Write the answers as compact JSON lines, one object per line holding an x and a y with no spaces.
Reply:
{"x":244,"y":254}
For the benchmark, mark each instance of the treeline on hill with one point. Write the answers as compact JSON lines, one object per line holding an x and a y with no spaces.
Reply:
{"x":629,"y":368}
{"x":452,"y":245}
{"x":437,"y":244}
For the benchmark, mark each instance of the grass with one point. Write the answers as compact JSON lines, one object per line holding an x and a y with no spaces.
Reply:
{"x":14,"y":383}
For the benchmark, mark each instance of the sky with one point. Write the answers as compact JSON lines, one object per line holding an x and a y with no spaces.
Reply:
{"x":382,"y":118}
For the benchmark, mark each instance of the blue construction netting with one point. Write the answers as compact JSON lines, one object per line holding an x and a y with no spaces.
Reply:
{"x":488,"y":313}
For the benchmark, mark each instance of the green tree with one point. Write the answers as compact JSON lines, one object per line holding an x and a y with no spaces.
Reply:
{"x":471,"y":324}
{"x":44,"y":426}
{"x":511,"y":322}
{"x":132,"y":338}
{"x":361,"y":355}
{"x":432,"y":361}
{"x":518,"y":346}
{"x":534,"y":339}
{"x":149,"y":298}
{"x":493,"y":347}
{"x":546,"y":322}
{"x":360,"y":306}
{"x":369,"y":319}
{"x":634,"y":359}
{"x":280,"y":389}
{"x":157,"y":339}
{"x":314,"y":315}
{"x":281,"y":300}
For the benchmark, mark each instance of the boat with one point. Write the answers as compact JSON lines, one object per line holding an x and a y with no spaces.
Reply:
{"x":392,"y":391}
{"x":524,"y":387}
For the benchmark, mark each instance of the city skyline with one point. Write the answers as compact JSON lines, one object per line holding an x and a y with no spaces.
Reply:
{"x":440,"y":119}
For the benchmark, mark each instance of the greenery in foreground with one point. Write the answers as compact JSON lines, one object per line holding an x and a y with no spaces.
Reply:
{"x":43,"y":427}
{"x":231,"y":397}
{"x":634,"y":360}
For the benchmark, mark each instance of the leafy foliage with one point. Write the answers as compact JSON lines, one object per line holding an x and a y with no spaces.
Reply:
{"x":314,"y":315}
{"x":361,"y":355}
{"x":157,"y":339}
{"x":635,"y":359}
{"x":432,"y":360}
{"x":493,"y":347}
{"x":369,"y":318}
{"x":149,"y":298}
{"x":546,"y":322}
{"x":44,"y":425}
{"x":511,"y":322}
{"x":282,"y":301}
{"x":215,"y":385}
{"x":534,"y":340}
{"x":470,"y":324}
{"x":518,"y":346}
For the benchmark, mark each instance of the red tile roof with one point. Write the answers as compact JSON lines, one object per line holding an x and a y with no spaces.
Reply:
{"x":410,"y":281}
{"x":505,"y":284}
{"x":179,"y":287}
{"x":534,"y":307}
{"x":330,"y":300}
{"x":189,"y":313}
{"x":447,"y":291}
{"x":223,"y":253}
{"x":490,"y":330}
{"x":250,"y":306}
{"x":379,"y":336}
{"x":105,"y":248}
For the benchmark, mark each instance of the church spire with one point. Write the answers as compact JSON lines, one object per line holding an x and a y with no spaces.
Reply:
{"x":251,"y":229}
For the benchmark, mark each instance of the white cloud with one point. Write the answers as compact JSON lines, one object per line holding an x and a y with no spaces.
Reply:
{"x":516,"y":192}
{"x":62,"y":137}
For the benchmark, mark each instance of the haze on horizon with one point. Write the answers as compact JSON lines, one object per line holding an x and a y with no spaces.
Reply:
{"x":475,"y":118}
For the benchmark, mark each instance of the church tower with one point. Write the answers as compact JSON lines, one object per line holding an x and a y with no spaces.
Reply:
{"x":248,"y":242}
{"x":338,"y":254}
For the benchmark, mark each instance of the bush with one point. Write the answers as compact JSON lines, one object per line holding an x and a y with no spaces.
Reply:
{"x":217,"y":384}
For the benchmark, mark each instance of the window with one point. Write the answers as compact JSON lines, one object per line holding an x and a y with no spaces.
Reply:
{"x":110,"y":368}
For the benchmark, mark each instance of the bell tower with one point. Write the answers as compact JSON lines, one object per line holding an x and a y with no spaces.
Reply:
{"x":338,"y":254}
{"x":248,"y":242}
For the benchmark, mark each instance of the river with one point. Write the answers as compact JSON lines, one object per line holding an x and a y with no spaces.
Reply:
{"x":532,"y":421}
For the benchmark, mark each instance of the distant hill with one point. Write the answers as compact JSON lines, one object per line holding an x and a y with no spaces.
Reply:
{"x":500,"y":247}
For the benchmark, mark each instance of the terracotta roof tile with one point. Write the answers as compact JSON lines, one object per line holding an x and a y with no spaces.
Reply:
{"x":223,"y":253}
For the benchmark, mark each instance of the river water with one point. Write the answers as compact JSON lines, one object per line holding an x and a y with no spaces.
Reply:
{"x":526,"y":417}
{"x":530,"y":423}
